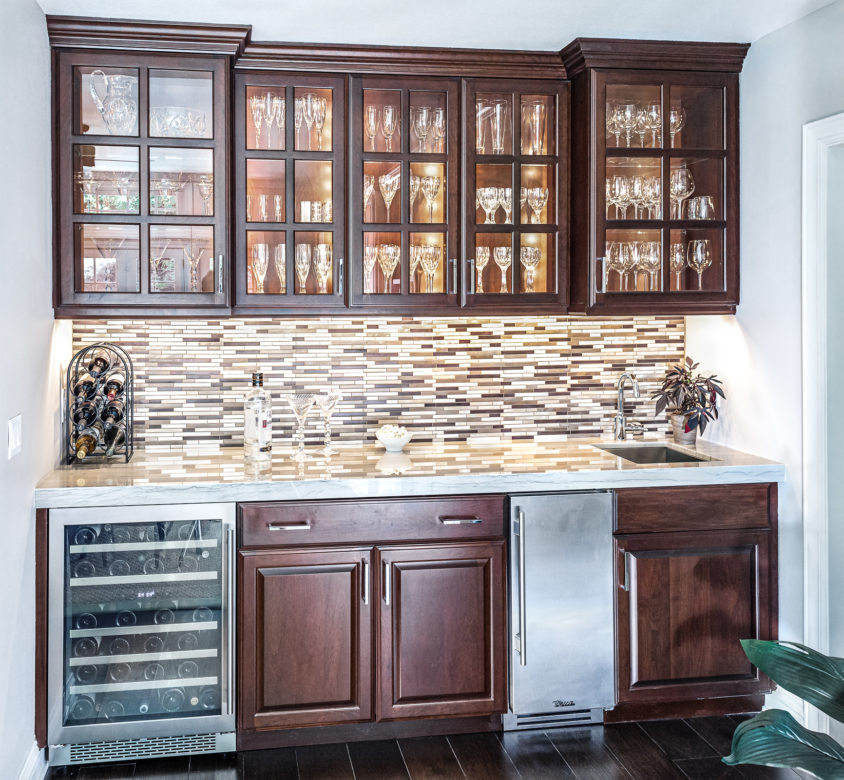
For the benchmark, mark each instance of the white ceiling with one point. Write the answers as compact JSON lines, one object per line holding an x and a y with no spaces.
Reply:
{"x":517,"y":24}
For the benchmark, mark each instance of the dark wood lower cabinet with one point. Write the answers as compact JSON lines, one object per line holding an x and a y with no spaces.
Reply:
{"x":441,"y":631}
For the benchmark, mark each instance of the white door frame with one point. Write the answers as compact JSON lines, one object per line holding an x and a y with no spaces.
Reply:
{"x":818,"y":138}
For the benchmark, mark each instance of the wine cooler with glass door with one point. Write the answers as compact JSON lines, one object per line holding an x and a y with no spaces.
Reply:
{"x":140,"y":632}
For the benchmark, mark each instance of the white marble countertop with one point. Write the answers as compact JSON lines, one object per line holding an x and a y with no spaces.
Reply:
{"x":164,"y":475}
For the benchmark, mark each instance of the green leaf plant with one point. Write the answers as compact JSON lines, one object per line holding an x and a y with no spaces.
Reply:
{"x":692,"y":395}
{"x":775,"y":738}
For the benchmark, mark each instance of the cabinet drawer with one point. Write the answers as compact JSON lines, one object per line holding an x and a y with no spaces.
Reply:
{"x":698,"y":508}
{"x":279,"y":524}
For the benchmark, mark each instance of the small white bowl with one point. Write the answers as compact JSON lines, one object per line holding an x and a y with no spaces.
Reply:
{"x":393,"y":443}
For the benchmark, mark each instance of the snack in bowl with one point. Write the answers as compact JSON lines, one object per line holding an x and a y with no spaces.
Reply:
{"x":393,"y":437}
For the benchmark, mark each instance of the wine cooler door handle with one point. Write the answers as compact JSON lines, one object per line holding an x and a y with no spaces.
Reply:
{"x":625,"y":582}
{"x":229,"y":558}
{"x":297,"y":527}
{"x":339,"y":275}
{"x":220,"y":274}
{"x":522,"y":590}
{"x":366,"y":581}
{"x":387,"y":583}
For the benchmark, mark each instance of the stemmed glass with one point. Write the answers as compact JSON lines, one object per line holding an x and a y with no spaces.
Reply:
{"x":614,"y":263}
{"x":388,"y":259}
{"x":653,"y":122}
{"x":193,"y":257}
{"x":429,"y":258}
{"x":278,"y":203}
{"x":676,"y":121}
{"x":488,"y":199}
{"x":370,"y":125}
{"x":205,"y":185}
{"x":628,"y":115}
{"x":529,"y":257}
{"x":614,"y":123}
{"x":628,"y":259}
{"x":389,"y":185}
{"x":677,"y":260}
{"x":279,"y":105}
{"x":651,"y":260}
{"x":642,"y":126}
{"x":260,"y":264}
{"x":481,"y":262}
{"x":270,"y":107}
{"x":415,"y":184}
{"x":537,"y":198}
{"x":637,"y":194}
{"x":438,"y":128}
{"x":298,"y":117}
{"x":310,"y":109}
{"x":430,"y":188}
{"x":370,"y":257}
{"x":326,"y":403}
{"x":505,"y":200}
{"x":389,"y":124}
{"x":620,"y":194}
{"x":320,"y":111}
{"x":503,"y":256}
{"x":303,"y":265}
{"x":682,"y":185}
{"x":420,"y":121}
{"x":653,"y":196}
{"x":415,"y":260}
{"x":256,"y":107}
{"x":322,"y":266}
{"x":280,"y":259}
{"x":368,"y":187}
{"x":89,"y":185}
{"x":301,"y":404}
{"x":699,"y":257}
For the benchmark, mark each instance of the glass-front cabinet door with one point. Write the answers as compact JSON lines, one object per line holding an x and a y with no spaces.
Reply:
{"x":665,"y":193}
{"x":290,"y":192}
{"x":404,"y":194}
{"x":141,"y":182}
{"x":516,"y":194}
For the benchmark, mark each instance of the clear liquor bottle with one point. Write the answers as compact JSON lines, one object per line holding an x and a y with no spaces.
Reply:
{"x":257,"y":415}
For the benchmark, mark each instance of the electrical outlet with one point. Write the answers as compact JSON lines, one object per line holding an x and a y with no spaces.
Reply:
{"x":14,"y":436}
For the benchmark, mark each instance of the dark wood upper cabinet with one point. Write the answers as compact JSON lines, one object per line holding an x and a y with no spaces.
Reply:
{"x":655,"y":201}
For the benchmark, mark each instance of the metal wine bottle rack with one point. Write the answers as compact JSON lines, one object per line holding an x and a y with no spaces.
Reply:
{"x":120,"y":361}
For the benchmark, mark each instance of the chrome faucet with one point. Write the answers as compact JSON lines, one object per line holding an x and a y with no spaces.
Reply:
{"x":622,"y":426}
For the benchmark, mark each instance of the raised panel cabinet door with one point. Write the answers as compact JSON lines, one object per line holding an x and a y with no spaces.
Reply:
{"x":442,"y":630}
{"x":685,"y":600}
{"x":305,"y":641}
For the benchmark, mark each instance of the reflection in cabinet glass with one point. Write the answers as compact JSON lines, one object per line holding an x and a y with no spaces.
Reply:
{"x":105,"y":179}
{"x":109,"y":258}
{"x":105,"y":100}
{"x":181,"y":258}
{"x":181,"y":181}
{"x":181,"y":104}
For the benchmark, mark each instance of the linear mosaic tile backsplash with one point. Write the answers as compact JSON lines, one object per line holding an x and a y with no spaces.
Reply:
{"x":448,"y":379}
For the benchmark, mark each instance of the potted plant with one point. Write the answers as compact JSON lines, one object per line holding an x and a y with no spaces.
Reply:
{"x":689,"y":399}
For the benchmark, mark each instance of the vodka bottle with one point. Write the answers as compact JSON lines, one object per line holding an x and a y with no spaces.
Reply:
{"x":257,"y":414}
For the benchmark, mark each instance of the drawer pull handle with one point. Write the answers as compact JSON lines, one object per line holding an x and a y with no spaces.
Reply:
{"x":299,"y":527}
{"x":447,"y":520}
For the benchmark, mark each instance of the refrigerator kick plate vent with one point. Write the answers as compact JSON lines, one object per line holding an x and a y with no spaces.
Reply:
{"x":142,"y":747}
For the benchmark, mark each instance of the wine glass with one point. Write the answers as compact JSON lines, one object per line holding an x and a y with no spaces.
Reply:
{"x":676,"y":121}
{"x":415,"y":184}
{"x":653,"y":113}
{"x":653,"y":196}
{"x":279,"y":107}
{"x":637,"y":194}
{"x":429,"y":258}
{"x":388,"y":259}
{"x":322,"y":266}
{"x":620,"y":189}
{"x":488,"y":199}
{"x":529,"y":256}
{"x":298,"y":116}
{"x":537,"y":198}
{"x":628,"y":114}
{"x":613,"y":122}
{"x":368,"y":187}
{"x":303,"y":265}
{"x":505,"y":200}
{"x":614,"y":263}
{"x":280,"y":259}
{"x":699,"y":254}
{"x":677,"y":260}
{"x":370,"y":257}
{"x":320,"y":111}
{"x":370,"y":125}
{"x":389,"y":185}
{"x":642,"y":125}
{"x":260,"y":264}
{"x":609,"y":198}
{"x":481,"y":262}
{"x":681,"y":185}
{"x":205,"y":185}
{"x":256,"y":107}
{"x":415,"y":260}
{"x":499,"y":120}
{"x":503,"y":256}
{"x":389,"y":124}
{"x":438,"y":128}
{"x":522,"y":200}
{"x":628,"y":258}
{"x":193,"y":257}
{"x":301,"y":405}
{"x":421,"y":118}
{"x":651,"y":260}
{"x":327,"y":402}
{"x":430,"y":189}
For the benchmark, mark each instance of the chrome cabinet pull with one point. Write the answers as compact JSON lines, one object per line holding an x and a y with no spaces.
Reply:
{"x":625,"y":584}
{"x":339,"y":275}
{"x":602,"y":261}
{"x":299,"y":527}
{"x":453,"y":262}
{"x":366,"y":581}
{"x":448,"y":520}
{"x":522,"y":591}
{"x":470,"y":284}
{"x":387,"y":583}
{"x":220,"y":274}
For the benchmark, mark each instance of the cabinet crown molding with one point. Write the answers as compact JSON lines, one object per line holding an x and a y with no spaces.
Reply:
{"x":583,"y":53}
{"x":96,"y":33}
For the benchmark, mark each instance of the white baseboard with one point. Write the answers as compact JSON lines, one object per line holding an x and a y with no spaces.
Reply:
{"x":35,"y":766}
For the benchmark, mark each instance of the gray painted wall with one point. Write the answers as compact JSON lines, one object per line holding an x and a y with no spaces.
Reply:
{"x":28,"y":381}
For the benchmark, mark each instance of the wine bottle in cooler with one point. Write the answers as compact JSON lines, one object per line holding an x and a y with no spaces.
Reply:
{"x":81,"y":708}
{"x":257,"y":415}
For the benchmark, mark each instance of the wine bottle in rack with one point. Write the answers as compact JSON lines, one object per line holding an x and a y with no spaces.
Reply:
{"x":87,"y":534}
{"x":85,"y":675}
{"x":86,"y":647}
{"x":113,"y":438}
{"x":173,"y":699}
{"x":121,"y":534}
{"x":120,"y":645}
{"x":85,"y":441}
{"x":188,"y":641}
{"x":85,"y":413}
{"x":112,"y":709}
{"x":99,"y":363}
{"x":119,"y":672}
{"x":202,"y":615}
{"x":187,"y":670}
{"x":155,"y":671}
{"x":114,"y":384}
{"x":84,"y":568}
{"x":153,"y":644}
{"x":112,"y":412}
{"x":85,"y":387}
{"x":82,"y":708}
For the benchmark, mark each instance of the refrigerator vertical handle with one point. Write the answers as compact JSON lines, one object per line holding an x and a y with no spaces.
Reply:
{"x":522,"y":590}
{"x":230,"y":600}
{"x":366,"y":581}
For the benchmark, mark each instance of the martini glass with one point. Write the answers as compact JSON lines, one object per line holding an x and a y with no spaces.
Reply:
{"x":326,"y":403}
{"x":301,"y":404}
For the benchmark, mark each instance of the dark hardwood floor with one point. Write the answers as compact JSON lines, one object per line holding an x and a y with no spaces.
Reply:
{"x":648,"y":751}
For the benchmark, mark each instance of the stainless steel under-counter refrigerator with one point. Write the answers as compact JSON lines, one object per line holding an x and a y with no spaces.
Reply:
{"x":140,"y":632}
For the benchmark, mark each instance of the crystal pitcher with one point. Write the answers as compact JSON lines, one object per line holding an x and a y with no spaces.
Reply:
{"x":117,"y":106}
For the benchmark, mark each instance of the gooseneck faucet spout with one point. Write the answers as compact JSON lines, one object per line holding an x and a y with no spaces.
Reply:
{"x":621,"y":425}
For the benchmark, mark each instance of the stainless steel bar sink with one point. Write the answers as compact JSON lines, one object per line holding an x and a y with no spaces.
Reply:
{"x":643,"y":453}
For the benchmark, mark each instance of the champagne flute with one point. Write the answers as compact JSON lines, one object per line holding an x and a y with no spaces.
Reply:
{"x":327,"y":402}
{"x":278,"y":207}
{"x":533,"y":113}
{"x":699,"y":257}
{"x":415,"y":260}
{"x":263,"y":203}
{"x":270,"y":107}
{"x":388,"y":259}
{"x":537,"y":199}
{"x":368,"y":188}
{"x":677,"y":259}
{"x":322,"y":267}
{"x":370,"y":125}
{"x":415,"y":184}
{"x":613,"y":122}
{"x":503,"y":256}
{"x":370,"y":257}
{"x":642,"y":125}
{"x":303,"y":266}
{"x":628,"y":260}
{"x":481,"y":262}
{"x":389,"y":124}
{"x":389,"y":185}
{"x":505,"y":200}
{"x":206,"y":192}
{"x":529,"y":256}
{"x":309,"y":112}
{"x":280,"y":259}
{"x":260,"y":264}
{"x":256,"y":107}
{"x":637,"y":194}
{"x":430,"y":189}
{"x":320,"y":111}
{"x":279,"y":107}
{"x":676,"y":121}
{"x":301,"y":405}
{"x":438,"y":128}
{"x":298,"y":116}
{"x":421,"y":123}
